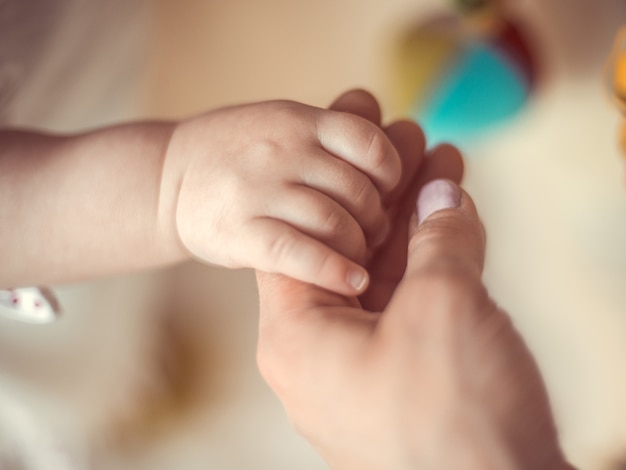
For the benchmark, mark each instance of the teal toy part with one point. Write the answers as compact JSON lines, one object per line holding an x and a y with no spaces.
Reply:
{"x":480,"y":89}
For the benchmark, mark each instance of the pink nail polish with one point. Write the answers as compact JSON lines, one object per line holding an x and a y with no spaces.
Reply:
{"x":435,"y":196}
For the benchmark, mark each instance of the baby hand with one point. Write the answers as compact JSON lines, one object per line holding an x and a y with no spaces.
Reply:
{"x":281,"y":187}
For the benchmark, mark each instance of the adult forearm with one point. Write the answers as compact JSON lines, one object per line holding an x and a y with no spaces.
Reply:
{"x":73,"y":207}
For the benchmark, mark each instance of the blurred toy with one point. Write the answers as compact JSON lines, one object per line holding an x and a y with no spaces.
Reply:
{"x":616,"y":81}
{"x":29,"y":305}
{"x":461,"y":74}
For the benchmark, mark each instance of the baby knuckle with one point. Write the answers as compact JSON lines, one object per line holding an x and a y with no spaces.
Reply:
{"x":287,"y":111}
{"x":376,"y":149}
{"x":362,"y":192}
{"x":323,"y":261}
{"x":279,"y":247}
{"x":334,"y":222}
{"x":267,"y":153}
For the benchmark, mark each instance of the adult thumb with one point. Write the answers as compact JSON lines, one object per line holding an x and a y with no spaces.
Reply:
{"x":447,"y":235}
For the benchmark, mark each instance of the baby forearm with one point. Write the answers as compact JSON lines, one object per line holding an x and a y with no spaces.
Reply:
{"x":73,"y":207}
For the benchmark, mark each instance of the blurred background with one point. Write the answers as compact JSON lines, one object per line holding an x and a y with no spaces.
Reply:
{"x":157,"y":370}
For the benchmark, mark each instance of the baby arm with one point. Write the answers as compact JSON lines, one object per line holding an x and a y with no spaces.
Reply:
{"x":75,"y":207}
{"x":278,"y":186}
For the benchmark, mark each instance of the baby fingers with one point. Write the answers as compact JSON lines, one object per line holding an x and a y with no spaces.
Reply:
{"x":352,"y":190}
{"x":320,"y":217}
{"x":362,"y":144}
{"x":277,"y":247}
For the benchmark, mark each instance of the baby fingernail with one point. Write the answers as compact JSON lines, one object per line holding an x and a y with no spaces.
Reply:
{"x":435,"y":196}
{"x":357,"y":278}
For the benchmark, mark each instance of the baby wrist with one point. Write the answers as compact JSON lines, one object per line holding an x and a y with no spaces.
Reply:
{"x":172,"y":170}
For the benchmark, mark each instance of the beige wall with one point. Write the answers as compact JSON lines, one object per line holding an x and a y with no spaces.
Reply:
{"x":211,"y":53}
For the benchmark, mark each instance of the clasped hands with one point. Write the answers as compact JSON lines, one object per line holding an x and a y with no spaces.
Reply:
{"x":423,"y":370}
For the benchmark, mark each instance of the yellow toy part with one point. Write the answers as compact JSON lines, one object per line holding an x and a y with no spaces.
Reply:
{"x":421,"y":58}
{"x":616,"y":75}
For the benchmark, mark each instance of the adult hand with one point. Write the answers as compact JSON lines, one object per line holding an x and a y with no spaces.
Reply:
{"x":423,"y":370}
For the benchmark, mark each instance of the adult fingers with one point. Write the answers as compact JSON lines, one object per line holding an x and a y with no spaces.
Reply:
{"x":442,"y":162}
{"x":447,"y":236}
{"x":442,"y":281}
{"x":409,"y":140}
{"x":387,"y":266}
{"x":358,"y":102}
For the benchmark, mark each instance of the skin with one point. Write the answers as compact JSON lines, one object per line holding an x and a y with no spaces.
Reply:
{"x":423,"y":371}
{"x":278,"y":186}
{"x":420,"y":363}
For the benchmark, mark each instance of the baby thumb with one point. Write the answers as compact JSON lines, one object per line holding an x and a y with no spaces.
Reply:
{"x":447,"y":235}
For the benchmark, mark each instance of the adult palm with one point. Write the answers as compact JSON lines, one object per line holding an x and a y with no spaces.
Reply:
{"x":422,"y":370}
